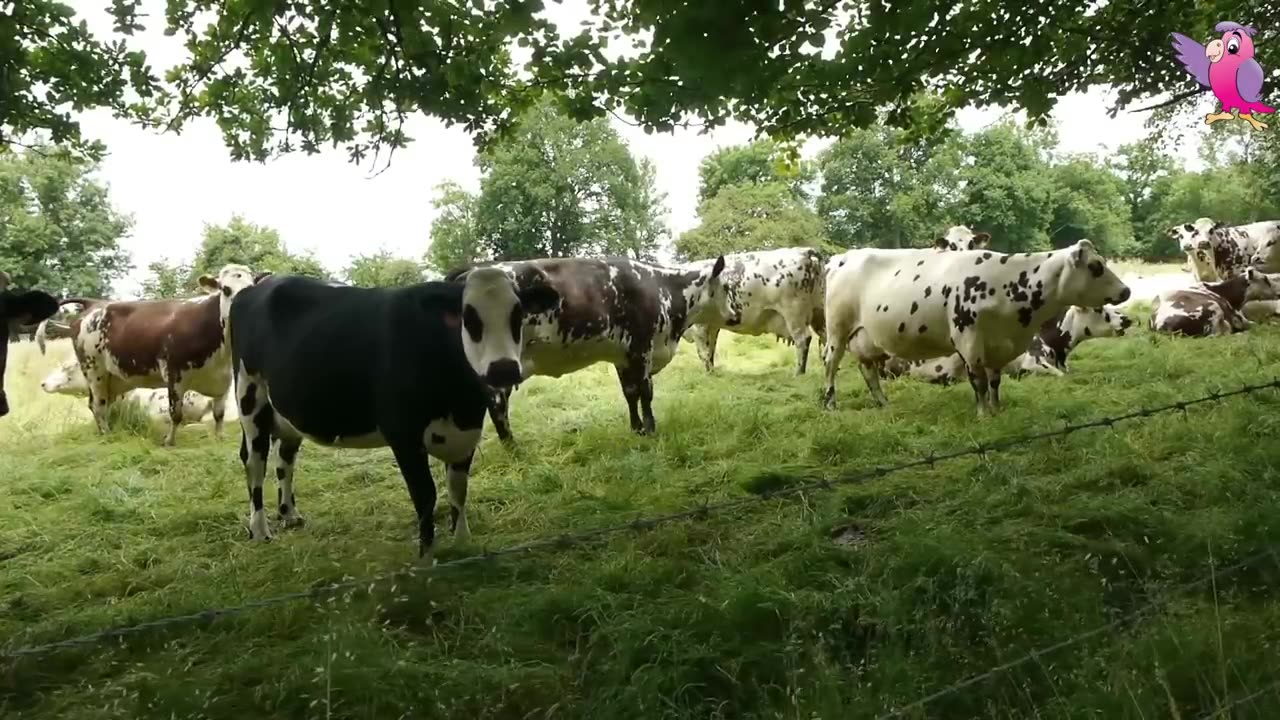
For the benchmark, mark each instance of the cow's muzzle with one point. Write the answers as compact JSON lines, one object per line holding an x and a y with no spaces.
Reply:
{"x":502,"y":373}
{"x":733,"y":321}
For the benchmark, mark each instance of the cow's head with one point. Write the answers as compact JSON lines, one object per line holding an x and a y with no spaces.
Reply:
{"x":19,"y":307}
{"x":1087,"y":281}
{"x":1267,"y":256}
{"x":1261,"y":286}
{"x":493,"y":315}
{"x":706,"y":298}
{"x":1100,"y":322}
{"x":1197,"y":241}
{"x":230,"y":281}
{"x":67,"y":379}
{"x":960,"y":237}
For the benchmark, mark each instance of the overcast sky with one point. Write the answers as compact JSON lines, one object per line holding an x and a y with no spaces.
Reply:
{"x":173,"y":184}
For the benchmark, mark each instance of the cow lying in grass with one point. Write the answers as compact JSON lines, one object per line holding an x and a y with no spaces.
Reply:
{"x":1206,"y":309}
{"x":154,"y":403}
{"x":986,"y":306}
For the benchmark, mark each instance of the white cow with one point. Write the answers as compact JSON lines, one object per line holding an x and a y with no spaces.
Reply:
{"x":1216,"y":251}
{"x":987,"y":306}
{"x":772,"y":291}
{"x":1046,"y":356}
{"x":957,"y":238}
{"x":67,"y":379}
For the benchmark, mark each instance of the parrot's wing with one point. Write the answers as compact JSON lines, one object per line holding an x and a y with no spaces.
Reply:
{"x":1191,"y":55}
{"x":1249,"y":80}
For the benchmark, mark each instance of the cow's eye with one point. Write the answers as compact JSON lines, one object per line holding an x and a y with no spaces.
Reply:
{"x":471,"y":321}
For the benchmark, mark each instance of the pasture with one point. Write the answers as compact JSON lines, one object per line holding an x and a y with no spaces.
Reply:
{"x":846,"y":603}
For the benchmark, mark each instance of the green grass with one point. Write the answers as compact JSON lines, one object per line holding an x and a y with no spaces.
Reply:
{"x":829,"y":605}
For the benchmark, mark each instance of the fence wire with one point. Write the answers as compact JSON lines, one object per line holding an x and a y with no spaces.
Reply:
{"x":567,"y":540}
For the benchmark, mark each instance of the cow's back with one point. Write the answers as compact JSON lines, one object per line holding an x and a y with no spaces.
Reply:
{"x":762,"y":284}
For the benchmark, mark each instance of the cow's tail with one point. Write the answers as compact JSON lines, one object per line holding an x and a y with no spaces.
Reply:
{"x":42,"y":328}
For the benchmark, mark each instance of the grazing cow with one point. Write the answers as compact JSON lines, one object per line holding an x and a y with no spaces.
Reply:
{"x":1207,"y":309}
{"x":920,"y":304}
{"x":624,"y":312}
{"x":19,"y":307}
{"x":1057,"y":337}
{"x":772,"y":291}
{"x":67,"y":379}
{"x":178,"y":345}
{"x":1216,"y":251}
{"x":350,"y":367}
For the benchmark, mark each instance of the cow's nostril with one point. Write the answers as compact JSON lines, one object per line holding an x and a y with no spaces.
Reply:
{"x":503,"y":373}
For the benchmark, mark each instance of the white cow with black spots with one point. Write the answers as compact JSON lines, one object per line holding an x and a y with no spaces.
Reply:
{"x":987,"y":306}
{"x":772,"y":291}
{"x":1216,"y":251}
{"x":67,"y":379}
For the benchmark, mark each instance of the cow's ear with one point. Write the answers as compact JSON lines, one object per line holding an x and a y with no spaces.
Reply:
{"x":981,"y":239}
{"x":261,"y":276}
{"x":717,"y":268}
{"x":940,"y":244}
{"x":209,"y":283}
{"x":538,"y":298}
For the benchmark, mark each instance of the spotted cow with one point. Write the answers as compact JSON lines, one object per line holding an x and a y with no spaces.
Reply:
{"x":1047,"y":355}
{"x":67,"y":379}
{"x":772,"y":291}
{"x":987,"y":306}
{"x":178,"y":345}
{"x":19,"y":307}
{"x":1206,"y":309}
{"x":627,"y":313}
{"x":1216,"y":251}
{"x":410,"y":368}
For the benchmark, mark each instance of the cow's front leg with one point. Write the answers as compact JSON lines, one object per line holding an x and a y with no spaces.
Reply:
{"x":704,"y":339}
{"x":871,"y":374}
{"x":99,"y":399}
{"x":646,"y":405}
{"x":257,"y":418}
{"x":219,"y":413}
{"x":175,"y":412}
{"x":978,"y":380}
{"x":802,"y":340}
{"x":411,"y":456}
{"x":632,"y":380}
{"x":286,"y":460}
{"x":457,"y":476}
{"x":993,"y":390}
{"x":832,"y":355}
{"x":500,"y":413}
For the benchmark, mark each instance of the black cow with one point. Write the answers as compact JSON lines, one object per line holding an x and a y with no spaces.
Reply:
{"x":19,"y":307}
{"x":627,"y":313}
{"x":410,"y":368}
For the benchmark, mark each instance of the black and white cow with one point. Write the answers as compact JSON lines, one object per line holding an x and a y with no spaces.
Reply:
{"x":627,"y":313}
{"x":1206,"y":309}
{"x":19,"y":307}
{"x":410,"y":368}
{"x":987,"y":306}
{"x":1216,"y":251}
{"x":772,"y":291}
{"x":1057,"y":337}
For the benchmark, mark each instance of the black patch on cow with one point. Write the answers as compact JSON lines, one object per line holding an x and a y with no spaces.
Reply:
{"x":902,"y":327}
{"x":978,"y":261}
{"x":914,"y":307}
{"x":256,"y":497}
{"x":436,"y":438}
{"x":1088,"y":333}
{"x":248,"y":402}
{"x":915,"y":278}
{"x":897,"y":272}
{"x":1004,"y":259}
{"x":1035,"y":270}
{"x":963,"y":317}
{"x":1095,"y":268}
{"x":1024,"y":316}
{"x":226,"y":291}
{"x":919,"y":263}
{"x":924,"y":329}
{"x":472,"y":322}
{"x":986,"y":256}
{"x":928,"y":290}
{"x":946,"y":292}
{"x":937,"y":368}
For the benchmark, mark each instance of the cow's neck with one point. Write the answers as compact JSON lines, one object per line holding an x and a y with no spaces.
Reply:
{"x":693,"y":311}
{"x":1233,"y":290}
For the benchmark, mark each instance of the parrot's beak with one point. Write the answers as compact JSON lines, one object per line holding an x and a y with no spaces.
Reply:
{"x":1213,"y":51}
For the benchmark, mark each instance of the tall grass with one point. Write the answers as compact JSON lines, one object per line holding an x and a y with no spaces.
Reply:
{"x":835,"y":605}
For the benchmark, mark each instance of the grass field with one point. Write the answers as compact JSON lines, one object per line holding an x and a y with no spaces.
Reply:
{"x":842,"y":604}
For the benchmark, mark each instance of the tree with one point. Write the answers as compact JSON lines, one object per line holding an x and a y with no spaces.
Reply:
{"x":256,"y":246}
{"x":455,"y":234}
{"x":166,"y":280}
{"x":758,"y":162}
{"x":741,"y":218}
{"x":59,"y":232}
{"x":1088,"y":200}
{"x":382,"y":269}
{"x":1007,"y":189}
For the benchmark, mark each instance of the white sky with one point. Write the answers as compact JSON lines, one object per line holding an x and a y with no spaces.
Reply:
{"x":173,"y":184}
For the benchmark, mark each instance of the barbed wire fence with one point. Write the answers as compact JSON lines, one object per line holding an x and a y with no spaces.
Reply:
{"x":705,"y":510}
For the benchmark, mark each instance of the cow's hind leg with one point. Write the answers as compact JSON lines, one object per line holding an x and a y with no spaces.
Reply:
{"x":219,"y":414}
{"x":175,"y":410}
{"x":411,"y":456}
{"x":871,"y":371}
{"x":636,"y":386}
{"x":457,"y":477}
{"x":257,"y":418}
{"x":837,"y":342}
{"x":981,"y":388}
{"x":993,"y":390}
{"x":500,"y":413}
{"x":286,"y":460}
{"x":705,"y":339}
{"x":100,"y":399}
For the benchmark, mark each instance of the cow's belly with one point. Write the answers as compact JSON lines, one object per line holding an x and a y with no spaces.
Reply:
{"x":554,"y":359}
{"x":448,"y":442}
{"x":900,"y":334}
{"x":663,"y":353}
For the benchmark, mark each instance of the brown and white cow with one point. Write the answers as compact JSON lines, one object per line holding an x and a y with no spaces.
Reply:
{"x":627,"y":313}
{"x":19,"y":307}
{"x":1206,"y":309}
{"x":179,"y":345}
{"x":1216,"y":251}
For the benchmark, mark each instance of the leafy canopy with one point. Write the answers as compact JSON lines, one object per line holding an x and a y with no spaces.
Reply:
{"x":300,"y":75}
{"x":382,"y":269}
{"x":751,"y":216}
{"x":58,"y":230}
{"x":762,"y":161}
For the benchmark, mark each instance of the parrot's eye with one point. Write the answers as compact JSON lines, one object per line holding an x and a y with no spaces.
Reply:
{"x":1233,"y":46}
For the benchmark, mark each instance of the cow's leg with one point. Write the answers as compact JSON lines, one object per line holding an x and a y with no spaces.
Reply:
{"x":286,"y":459}
{"x":456,"y":476}
{"x":705,"y":338}
{"x":257,"y":418}
{"x":978,"y":380}
{"x":175,"y":410}
{"x":837,"y":343}
{"x":993,"y":390}
{"x":499,"y":413}
{"x":411,"y":456}
{"x":100,"y":397}
{"x":646,"y":405}
{"x":871,"y":374}
{"x":219,"y":413}
{"x":632,"y":378}
{"x":803,"y":340}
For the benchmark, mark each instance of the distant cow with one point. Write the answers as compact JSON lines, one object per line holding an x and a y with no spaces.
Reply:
{"x":1206,"y":309}
{"x":624,"y":312}
{"x":956,"y":239}
{"x":1057,"y":337}
{"x":920,"y":304}
{"x":1216,"y":251}
{"x":772,"y":291}
{"x":178,"y":345}
{"x":19,"y":307}
{"x":353,"y":367}
{"x":68,"y":380}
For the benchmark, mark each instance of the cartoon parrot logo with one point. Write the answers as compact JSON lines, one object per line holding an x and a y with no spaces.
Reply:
{"x":1227,"y":67}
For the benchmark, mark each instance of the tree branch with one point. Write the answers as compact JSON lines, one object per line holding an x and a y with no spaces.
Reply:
{"x":1171,"y":101}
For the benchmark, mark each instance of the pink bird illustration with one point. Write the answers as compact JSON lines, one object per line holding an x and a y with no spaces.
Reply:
{"x":1227,"y":67}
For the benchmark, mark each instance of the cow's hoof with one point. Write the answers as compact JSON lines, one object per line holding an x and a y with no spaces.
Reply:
{"x":293,"y":520}
{"x":426,"y":558}
{"x":258,"y":529}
